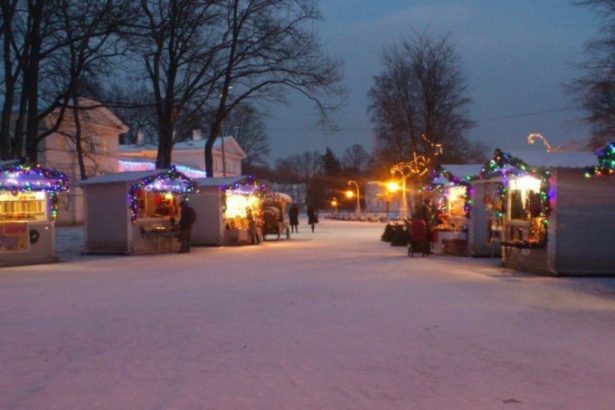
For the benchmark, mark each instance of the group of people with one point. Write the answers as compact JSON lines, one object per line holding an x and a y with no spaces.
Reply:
{"x":293,"y":217}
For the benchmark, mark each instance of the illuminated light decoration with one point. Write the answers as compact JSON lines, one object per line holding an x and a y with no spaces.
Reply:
{"x":244,"y":193}
{"x":419,"y":165}
{"x":502,"y":165}
{"x":19,"y":177}
{"x":167,"y":181}
{"x":606,"y":162}
{"x":531,"y":139}
{"x":437,"y":148}
{"x":453,"y":181}
{"x":151,"y":166}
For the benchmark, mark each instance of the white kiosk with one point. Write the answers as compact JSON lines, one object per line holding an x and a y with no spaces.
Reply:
{"x":134,"y":212}
{"x":28,"y":209}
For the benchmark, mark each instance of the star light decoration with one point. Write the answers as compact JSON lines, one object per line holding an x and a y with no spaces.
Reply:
{"x":21,"y":177}
{"x":606,"y":162}
{"x":169,"y":180}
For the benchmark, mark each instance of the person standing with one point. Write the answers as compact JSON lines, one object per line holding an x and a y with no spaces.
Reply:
{"x":252,"y":227}
{"x":312,"y":216}
{"x":186,"y":220}
{"x":293,"y":216}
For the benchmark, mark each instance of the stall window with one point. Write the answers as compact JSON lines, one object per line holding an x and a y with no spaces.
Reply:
{"x":456,"y":201}
{"x":157,"y":204}
{"x":521,"y":190}
{"x":23,"y":206}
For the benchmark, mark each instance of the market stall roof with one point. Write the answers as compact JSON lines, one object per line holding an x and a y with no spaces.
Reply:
{"x":16,"y":175}
{"x":458,"y":171}
{"x":220,"y":182}
{"x":114,"y":177}
{"x":556,"y":159}
{"x":162,"y":180}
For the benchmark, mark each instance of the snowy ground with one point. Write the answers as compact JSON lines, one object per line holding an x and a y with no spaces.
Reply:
{"x":330,"y":320}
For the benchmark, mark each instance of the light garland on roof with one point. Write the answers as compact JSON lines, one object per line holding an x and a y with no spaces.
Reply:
{"x":606,"y":162}
{"x":27,"y":178}
{"x":170,"y":180}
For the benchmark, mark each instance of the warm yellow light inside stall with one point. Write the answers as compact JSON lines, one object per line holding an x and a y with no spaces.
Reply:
{"x":525,"y":185}
{"x":237,"y":204}
{"x":456,"y":200}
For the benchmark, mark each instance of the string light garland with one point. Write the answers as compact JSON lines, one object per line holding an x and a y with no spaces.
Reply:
{"x":169,"y":180}
{"x":531,"y":139}
{"x":503,"y":164}
{"x":21,"y":177}
{"x":606,"y":162}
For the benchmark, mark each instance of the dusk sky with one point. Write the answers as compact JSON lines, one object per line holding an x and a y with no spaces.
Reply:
{"x":516,"y":57}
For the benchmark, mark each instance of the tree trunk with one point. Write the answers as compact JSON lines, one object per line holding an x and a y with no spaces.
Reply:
{"x":31,"y":76}
{"x":209,"y":146}
{"x":77,"y":120}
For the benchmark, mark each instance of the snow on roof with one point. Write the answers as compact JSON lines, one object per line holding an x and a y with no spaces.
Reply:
{"x":219,"y":181}
{"x":556,"y":159}
{"x":463,"y":170}
{"x":114,"y":177}
{"x":229,"y":143}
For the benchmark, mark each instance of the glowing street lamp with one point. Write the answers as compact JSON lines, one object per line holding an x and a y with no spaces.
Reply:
{"x":358,"y":207}
{"x":334,"y":204}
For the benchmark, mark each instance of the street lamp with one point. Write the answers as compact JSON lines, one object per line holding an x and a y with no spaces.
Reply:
{"x":334,"y":205}
{"x":405,"y":170}
{"x":358,"y":207}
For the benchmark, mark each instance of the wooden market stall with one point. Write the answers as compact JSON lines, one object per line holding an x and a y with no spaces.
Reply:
{"x":450,"y":199}
{"x":28,"y":209}
{"x":221,"y":206}
{"x":557,"y":220}
{"x":134,"y":212}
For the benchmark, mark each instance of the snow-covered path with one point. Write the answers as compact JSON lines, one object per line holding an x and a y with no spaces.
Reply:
{"x":330,"y":320}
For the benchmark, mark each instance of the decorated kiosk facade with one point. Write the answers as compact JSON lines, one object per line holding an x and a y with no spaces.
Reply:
{"x":450,"y":194}
{"x":28,"y":210}
{"x":134,"y":212}
{"x":222,"y":207}
{"x":556,"y":220}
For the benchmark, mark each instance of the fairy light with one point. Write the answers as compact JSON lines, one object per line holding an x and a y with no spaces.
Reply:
{"x":531,"y":139}
{"x":167,"y":181}
{"x":21,"y":177}
{"x":606,"y":162}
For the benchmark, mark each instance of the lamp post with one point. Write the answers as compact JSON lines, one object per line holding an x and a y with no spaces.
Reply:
{"x":334,"y":205}
{"x":404,"y":169}
{"x":358,"y":206}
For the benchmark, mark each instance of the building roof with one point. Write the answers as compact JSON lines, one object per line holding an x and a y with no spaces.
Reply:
{"x":230,"y":144}
{"x":113,"y":177}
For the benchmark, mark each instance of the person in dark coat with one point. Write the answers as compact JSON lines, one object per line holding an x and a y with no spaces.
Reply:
{"x":312,"y":216}
{"x":293,"y":217}
{"x":186,"y":220}
{"x":252,"y":227}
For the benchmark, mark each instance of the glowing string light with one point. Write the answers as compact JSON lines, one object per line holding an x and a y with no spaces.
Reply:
{"x":531,"y":139}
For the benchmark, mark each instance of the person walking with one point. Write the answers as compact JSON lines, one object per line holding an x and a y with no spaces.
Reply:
{"x":186,"y":220}
{"x":312,"y":216}
{"x":293,"y":217}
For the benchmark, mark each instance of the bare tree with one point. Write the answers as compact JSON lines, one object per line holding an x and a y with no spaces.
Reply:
{"x":355,"y":159}
{"x":595,"y":89}
{"x":270,"y":47}
{"x":177,"y":43}
{"x":246,"y":124}
{"x":51,"y":46}
{"x":420,"y":101}
{"x":304,"y":166}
